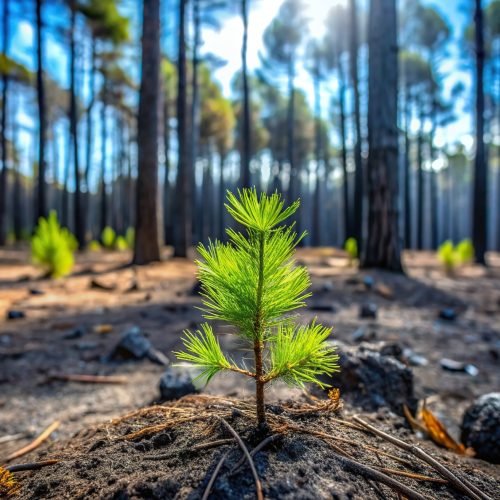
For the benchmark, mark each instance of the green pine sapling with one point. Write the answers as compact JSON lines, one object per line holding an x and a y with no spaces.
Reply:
{"x":252,"y":282}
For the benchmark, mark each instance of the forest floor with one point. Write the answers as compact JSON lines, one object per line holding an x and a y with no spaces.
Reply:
{"x":72,"y":325}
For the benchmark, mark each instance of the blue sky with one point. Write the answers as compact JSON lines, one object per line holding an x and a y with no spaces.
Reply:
{"x":226,"y":43}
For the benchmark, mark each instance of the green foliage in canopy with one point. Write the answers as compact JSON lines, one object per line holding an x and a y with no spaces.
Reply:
{"x":253,"y":283}
{"x":52,"y":247}
{"x":14,"y":70}
{"x":105,"y":20}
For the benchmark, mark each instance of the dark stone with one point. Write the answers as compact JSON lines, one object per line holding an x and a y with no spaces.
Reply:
{"x":132,"y":345}
{"x":457,"y":366}
{"x":176,"y":382}
{"x":322,"y":307}
{"x":76,"y":333}
{"x":368,"y":311}
{"x":448,"y":314}
{"x":362,"y":334}
{"x":481,"y":427}
{"x":368,"y":281}
{"x":36,"y":291}
{"x":372,"y":380}
{"x":392,"y":349}
{"x":13,"y":314}
{"x":196,"y":289}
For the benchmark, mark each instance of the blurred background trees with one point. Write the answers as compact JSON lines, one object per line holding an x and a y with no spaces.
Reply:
{"x":82,"y":130}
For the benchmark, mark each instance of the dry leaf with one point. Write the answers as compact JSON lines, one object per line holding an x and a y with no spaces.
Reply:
{"x":414,"y":423}
{"x":104,"y":328}
{"x":438,"y":432}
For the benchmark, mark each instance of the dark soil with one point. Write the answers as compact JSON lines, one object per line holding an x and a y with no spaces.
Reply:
{"x":106,"y":462}
{"x":62,"y":333}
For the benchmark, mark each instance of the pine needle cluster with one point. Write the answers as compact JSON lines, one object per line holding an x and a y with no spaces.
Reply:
{"x":253,"y":283}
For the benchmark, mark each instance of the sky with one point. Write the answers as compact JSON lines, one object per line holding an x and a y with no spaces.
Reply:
{"x":226,"y":44}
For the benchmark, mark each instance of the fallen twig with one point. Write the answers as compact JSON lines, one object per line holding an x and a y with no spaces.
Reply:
{"x":366,"y":471}
{"x":259,"y":447}
{"x":214,"y":476}
{"x":461,"y":484}
{"x":258,"y":485}
{"x":36,"y":443}
{"x":412,"y":475}
{"x":89,"y":379}
{"x":30,"y":466}
{"x":11,"y":437}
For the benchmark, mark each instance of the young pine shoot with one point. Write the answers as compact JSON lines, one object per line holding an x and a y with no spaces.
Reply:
{"x":253,"y":283}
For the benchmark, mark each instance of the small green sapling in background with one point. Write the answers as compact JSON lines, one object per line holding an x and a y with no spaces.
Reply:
{"x":448,"y":256}
{"x":53,"y":246}
{"x":108,"y":238}
{"x":465,"y":251}
{"x":252,"y":282}
{"x":351,"y":247}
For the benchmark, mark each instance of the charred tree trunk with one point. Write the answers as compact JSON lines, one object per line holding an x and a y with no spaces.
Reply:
{"x":358,"y":173}
{"x":407,"y":173}
{"x":290,"y":141}
{"x":167,"y":192}
{"x":345,"y":185}
{"x":420,"y":188}
{"x":3,"y":128}
{"x":383,"y":246}
{"x":147,"y":232}
{"x":316,"y":240}
{"x":41,"y":192}
{"x":480,"y":201}
{"x":246,"y":147}
{"x":78,"y":212}
{"x":104,"y":139}
{"x":183,"y":192}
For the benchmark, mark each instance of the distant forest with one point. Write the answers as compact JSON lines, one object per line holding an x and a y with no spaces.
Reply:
{"x":143,"y":135}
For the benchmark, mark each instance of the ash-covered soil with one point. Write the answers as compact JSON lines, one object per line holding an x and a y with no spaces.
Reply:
{"x":62,"y":333}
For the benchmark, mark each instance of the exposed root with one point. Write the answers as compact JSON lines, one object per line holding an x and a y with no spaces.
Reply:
{"x":214,"y":476}
{"x":31,"y":466}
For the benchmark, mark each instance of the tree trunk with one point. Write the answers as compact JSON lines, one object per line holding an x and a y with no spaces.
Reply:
{"x":222,"y":193}
{"x":3,"y":129}
{"x":358,"y":173}
{"x":147,"y":233}
{"x":89,"y":131}
{"x":345,"y":185}
{"x":78,"y":213}
{"x":246,"y":135}
{"x":183,"y":194}
{"x":290,"y":141}
{"x":104,"y":139}
{"x":17,"y":195}
{"x":407,"y":173}
{"x":195,"y":120}
{"x":167,"y":191}
{"x":41,"y":200}
{"x":383,"y":246}
{"x":316,"y":229}
{"x":420,"y":186}
{"x":480,"y":216}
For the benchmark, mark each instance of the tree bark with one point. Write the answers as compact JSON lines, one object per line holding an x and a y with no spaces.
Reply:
{"x":3,"y":129}
{"x":420,"y":186}
{"x":147,"y":233}
{"x":480,"y":201}
{"x":41,"y":199}
{"x":246,"y":135}
{"x":407,"y":173}
{"x":183,"y":194}
{"x":77,"y":213}
{"x":104,"y":139}
{"x":383,"y":246}
{"x":358,"y":173}
{"x":345,"y":185}
{"x":316,"y":239}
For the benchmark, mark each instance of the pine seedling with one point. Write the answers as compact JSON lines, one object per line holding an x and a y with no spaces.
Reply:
{"x":448,"y":256}
{"x":465,"y":251}
{"x":253,"y":283}
{"x":108,"y":238}
{"x":351,"y":247}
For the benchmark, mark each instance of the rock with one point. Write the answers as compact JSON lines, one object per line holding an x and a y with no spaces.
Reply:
{"x":76,"y":333}
{"x":5,"y":340}
{"x":14,"y":314}
{"x":196,"y":289}
{"x":361,"y":334}
{"x":322,"y":307}
{"x":448,"y":314}
{"x":36,"y":291}
{"x":368,"y":281}
{"x":327,"y":286}
{"x":97,"y":285}
{"x":87,"y":346}
{"x":134,"y":345}
{"x":368,"y":311}
{"x":457,"y":366}
{"x":373,"y":380}
{"x":414,"y":359}
{"x":481,"y":427}
{"x":177,"y":382}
